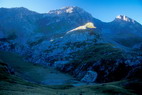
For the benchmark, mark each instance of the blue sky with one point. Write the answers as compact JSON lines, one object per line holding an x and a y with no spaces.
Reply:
{"x":105,"y":10}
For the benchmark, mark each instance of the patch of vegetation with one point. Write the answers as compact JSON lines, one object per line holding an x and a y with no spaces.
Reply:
{"x":97,"y":52}
{"x":129,"y":42}
{"x":36,"y":42}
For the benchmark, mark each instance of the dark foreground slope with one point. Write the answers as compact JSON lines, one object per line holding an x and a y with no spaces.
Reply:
{"x":12,"y":84}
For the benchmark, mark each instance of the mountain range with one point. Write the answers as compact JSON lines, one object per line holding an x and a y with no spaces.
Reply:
{"x":73,"y":41}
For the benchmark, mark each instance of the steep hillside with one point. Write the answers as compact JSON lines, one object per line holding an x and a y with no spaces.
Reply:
{"x":124,"y":31}
{"x":57,"y":22}
{"x":17,"y":23}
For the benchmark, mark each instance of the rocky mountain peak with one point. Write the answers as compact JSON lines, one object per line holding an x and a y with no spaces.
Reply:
{"x":68,"y":10}
{"x":124,"y":18}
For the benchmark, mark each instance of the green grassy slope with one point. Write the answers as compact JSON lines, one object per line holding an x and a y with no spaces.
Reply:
{"x":34,"y":72}
{"x":10,"y":84}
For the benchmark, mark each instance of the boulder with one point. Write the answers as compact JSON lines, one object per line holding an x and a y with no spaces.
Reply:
{"x":89,"y":77}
